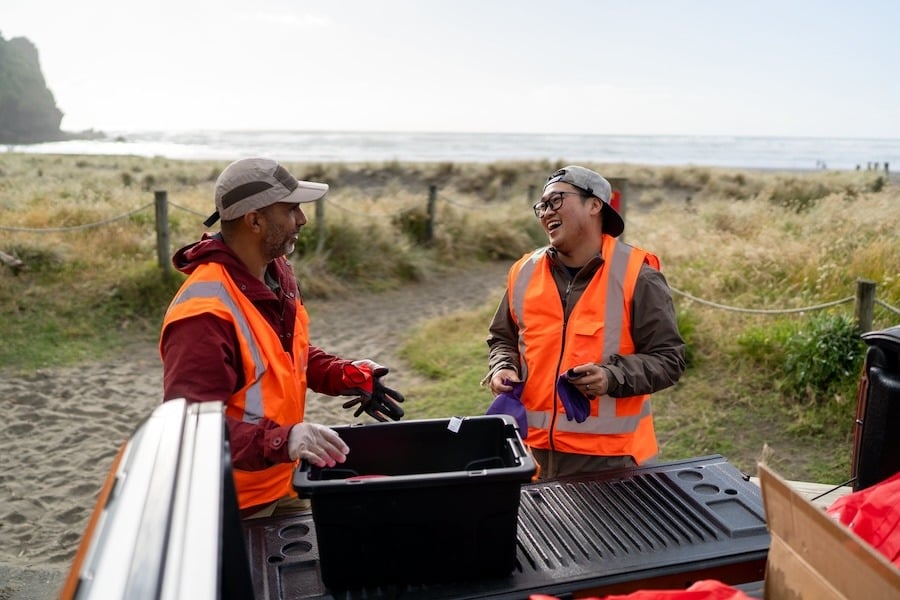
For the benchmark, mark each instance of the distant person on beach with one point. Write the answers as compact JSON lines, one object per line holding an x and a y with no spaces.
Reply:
{"x":584,"y":333}
{"x":237,"y":331}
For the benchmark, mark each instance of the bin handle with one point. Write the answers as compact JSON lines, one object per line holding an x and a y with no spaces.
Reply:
{"x":517,"y":448}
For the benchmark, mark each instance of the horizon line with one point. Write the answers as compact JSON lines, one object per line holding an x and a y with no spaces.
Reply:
{"x":112,"y":131}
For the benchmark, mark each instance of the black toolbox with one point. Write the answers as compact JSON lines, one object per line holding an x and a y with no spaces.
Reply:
{"x":419,"y":501}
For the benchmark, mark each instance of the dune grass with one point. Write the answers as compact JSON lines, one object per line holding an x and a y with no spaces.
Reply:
{"x":742,"y":239}
{"x":782,"y":384}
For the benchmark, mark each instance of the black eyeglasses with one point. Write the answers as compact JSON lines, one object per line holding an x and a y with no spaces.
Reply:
{"x":551,"y":202}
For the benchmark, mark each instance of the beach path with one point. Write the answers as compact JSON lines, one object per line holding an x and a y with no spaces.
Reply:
{"x":63,"y":426}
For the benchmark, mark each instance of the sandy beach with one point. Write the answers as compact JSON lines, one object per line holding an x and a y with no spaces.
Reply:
{"x":63,"y":426}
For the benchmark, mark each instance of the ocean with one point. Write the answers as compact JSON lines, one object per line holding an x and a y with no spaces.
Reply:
{"x":788,"y":153}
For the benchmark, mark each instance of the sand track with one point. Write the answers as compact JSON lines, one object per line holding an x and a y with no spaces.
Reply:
{"x":63,"y":426}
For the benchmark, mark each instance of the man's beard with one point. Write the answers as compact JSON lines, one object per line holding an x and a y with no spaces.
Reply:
{"x":278,"y":242}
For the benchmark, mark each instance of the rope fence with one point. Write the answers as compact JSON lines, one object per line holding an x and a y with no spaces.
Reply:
{"x":887,"y":306}
{"x":865,"y":299}
{"x":77,"y":227}
{"x":763,"y":311}
{"x":382,"y":215}
{"x":458,"y":204}
{"x":189,"y":210}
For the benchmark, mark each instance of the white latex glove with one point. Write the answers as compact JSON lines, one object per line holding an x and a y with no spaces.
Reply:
{"x":318,"y":444}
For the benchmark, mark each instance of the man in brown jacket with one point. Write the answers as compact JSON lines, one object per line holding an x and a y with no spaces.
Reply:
{"x":585,"y":332}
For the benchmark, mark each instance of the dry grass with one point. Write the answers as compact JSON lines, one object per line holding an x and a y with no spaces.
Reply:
{"x":749,"y":239}
{"x":733,"y":237}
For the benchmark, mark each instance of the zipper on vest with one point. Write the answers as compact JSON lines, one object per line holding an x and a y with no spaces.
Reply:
{"x":562,"y":351}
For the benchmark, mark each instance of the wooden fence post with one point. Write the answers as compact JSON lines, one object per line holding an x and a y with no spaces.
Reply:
{"x":161,"y":200}
{"x":320,"y":225}
{"x":432,"y":201}
{"x":865,"y":304}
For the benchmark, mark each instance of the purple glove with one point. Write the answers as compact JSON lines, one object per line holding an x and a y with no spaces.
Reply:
{"x":510,"y":403}
{"x":577,"y":406}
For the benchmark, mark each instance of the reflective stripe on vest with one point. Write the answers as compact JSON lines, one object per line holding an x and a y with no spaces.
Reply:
{"x":612,"y":314}
{"x":603,"y":425}
{"x":517,"y":300}
{"x":253,"y":407}
{"x":274,"y":380}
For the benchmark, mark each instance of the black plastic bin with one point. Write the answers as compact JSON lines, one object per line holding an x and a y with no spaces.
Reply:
{"x":419,"y":501}
{"x":876,"y":444}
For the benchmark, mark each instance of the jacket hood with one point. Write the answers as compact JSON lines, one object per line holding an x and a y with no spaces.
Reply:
{"x":210,"y":248}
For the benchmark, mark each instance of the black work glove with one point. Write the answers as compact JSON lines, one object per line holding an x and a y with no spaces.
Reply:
{"x":363,"y":379}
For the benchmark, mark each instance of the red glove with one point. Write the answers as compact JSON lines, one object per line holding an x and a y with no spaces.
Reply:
{"x":363,"y":378}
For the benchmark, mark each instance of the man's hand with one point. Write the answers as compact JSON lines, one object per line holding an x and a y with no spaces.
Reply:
{"x":502,"y":381}
{"x":590,"y":379}
{"x":363,"y":377}
{"x":316,"y":443}
{"x":578,"y":385}
{"x":510,"y":403}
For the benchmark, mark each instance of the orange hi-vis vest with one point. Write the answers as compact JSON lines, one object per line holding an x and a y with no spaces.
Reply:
{"x":275,"y":383}
{"x":598,"y":326}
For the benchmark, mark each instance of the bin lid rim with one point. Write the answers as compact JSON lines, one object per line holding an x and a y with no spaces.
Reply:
{"x":891,"y":335}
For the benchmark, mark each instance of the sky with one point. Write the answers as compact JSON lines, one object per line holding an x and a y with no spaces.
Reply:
{"x":635,"y":67}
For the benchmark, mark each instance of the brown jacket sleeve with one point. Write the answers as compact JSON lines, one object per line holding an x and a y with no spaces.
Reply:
{"x":503,"y":336}
{"x":658,"y":361}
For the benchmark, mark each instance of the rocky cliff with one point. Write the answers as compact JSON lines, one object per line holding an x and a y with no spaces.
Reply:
{"x":28,"y":111}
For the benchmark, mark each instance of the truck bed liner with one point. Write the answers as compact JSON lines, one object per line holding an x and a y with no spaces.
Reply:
{"x":663,"y":525}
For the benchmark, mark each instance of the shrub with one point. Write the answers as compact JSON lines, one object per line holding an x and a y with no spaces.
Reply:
{"x":797,"y":195}
{"x":497,"y":243}
{"x":414,"y":224}
{"x":365,"y":253}
{"x":824,"y":356}
{"x":813,"y":359}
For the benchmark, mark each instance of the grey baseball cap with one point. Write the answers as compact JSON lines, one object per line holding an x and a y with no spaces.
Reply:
{"x":595,"y":185}
{"x":253,"y":183}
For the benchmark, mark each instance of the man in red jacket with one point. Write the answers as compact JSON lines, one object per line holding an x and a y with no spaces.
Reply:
{"x":237,"y":332}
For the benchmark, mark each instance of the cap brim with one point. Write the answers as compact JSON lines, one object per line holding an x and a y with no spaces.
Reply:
{"x":612,"y":221}
{"x":307,"y":191}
